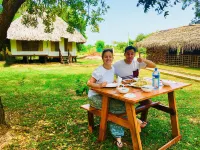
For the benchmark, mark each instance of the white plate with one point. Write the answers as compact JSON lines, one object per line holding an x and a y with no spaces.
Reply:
{"x":133,"y":85}
{"x":130,"y":95}
{"x":111,"y":85}
{"x":147,"y":88}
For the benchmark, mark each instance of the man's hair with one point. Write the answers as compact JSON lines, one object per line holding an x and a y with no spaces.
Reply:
{"x":130,"y":48}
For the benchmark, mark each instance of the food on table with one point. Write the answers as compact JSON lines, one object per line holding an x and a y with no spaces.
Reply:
{"x":127,"y":81}
{"x":141,"y":82}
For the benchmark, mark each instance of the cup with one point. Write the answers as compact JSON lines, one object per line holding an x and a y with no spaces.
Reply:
{"x":119,"y":81}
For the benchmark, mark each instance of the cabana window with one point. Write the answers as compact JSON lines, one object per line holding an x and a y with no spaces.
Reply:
{"x":55,"y":46}
{"x":30,"y":45}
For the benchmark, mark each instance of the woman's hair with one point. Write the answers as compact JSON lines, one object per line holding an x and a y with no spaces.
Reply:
{"x":130,"y":48}
{"x":106,"y":50}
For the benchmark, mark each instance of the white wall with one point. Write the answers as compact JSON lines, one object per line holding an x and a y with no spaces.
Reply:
{"x":13,"y":46}
{"x":46,"y":49}
{"x":62,"y":45}
{"x":46,"y":46}
{"x":73,"y":52}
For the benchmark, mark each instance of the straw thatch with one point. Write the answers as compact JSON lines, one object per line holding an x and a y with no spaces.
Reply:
{"x":18,"y":31}
{"x":185,"y":38}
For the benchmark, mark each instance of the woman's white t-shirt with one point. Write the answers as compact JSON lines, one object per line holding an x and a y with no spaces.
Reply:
{"x":102,"y":75}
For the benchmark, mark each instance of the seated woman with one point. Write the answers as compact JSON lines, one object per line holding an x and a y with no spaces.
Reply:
{"x":101,"y":76}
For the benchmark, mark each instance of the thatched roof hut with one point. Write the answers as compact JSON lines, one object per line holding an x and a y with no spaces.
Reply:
{"x":185,"y":38}
{"x":178,"y":46}
{"x":18,"y":31}
{"x":29,"y":41}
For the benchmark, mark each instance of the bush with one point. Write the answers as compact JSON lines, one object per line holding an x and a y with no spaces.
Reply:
{"x":99,"y":46}
{"x":81,"y":48}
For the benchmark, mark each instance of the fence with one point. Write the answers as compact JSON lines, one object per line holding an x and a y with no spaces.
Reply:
{"x":184,"y":60}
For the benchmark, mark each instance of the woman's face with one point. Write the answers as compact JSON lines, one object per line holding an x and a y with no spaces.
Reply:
{"x":129,"y":56}
{"x":107,"y":58}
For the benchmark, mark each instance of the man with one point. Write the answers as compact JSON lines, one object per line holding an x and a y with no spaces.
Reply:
{"x":126,"y":68}
{"x":129,"y":68}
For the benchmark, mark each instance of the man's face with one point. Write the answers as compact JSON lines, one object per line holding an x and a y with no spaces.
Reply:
{"x":129,"y":56}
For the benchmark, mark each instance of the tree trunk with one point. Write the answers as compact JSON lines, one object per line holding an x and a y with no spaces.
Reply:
{"x":2,"y":114}
{"x":10,"y":7}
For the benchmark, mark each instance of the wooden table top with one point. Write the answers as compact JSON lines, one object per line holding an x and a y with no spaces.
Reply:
{"x":140,"y":95}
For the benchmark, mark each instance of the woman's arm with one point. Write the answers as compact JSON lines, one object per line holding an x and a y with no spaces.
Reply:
{"x":92,"y":83}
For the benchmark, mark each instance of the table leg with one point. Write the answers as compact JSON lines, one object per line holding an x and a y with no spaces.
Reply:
{"x":104,"y":116}
{"x":174,"y":118}
{"x":130,"y":110}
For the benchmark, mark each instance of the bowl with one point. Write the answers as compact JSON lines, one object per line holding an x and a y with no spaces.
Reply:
{"x":147,"y":88}
{"x":123,"y":90}
{"x":166,"y":82}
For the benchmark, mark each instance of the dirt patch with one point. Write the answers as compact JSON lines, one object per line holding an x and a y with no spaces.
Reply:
{"x":92,"y":57}
{"x":5,"y":136}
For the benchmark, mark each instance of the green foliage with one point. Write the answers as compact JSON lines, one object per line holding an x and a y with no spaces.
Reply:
{"x":99,"y":45}
{"x":1,"y":8}
{"x":44,"y":112}
{"x":161,"y":5}
{"x":81,"y":87}
{"x":78,"y":14}
{"x":120,"y":46}
{"x":130,"y":42}
{"x":108,"y":46}
{"x":89,"y":47}
{"x":81,"y":48}
{"x":140,"y":37}
{"x":142,"y":50}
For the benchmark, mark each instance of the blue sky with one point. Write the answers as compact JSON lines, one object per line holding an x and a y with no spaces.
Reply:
{"x":124,"y":18}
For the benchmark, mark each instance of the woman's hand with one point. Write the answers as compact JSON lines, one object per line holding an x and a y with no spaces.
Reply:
{"x":103,"y":84}
{"x":92,"y":83}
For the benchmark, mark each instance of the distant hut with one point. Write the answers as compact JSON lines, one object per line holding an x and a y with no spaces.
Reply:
{"x":178,"y":46}
{"x":30,"y":41}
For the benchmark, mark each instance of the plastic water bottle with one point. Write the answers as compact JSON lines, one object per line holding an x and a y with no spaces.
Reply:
{"x":156,"y":78}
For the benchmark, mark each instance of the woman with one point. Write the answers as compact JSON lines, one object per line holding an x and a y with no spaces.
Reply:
{"x":101,"y":76}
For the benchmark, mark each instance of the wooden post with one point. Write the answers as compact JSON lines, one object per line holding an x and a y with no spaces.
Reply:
{"x":174,"y":118}
{"x":104,"y":116}
{"x":130,"y":110}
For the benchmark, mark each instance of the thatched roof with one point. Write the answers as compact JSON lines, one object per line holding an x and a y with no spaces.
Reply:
{"x":18,"y":31}
{"x":186,"y":38}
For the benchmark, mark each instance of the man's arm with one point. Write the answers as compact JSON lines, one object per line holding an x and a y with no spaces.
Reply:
{"x":149,"y":63}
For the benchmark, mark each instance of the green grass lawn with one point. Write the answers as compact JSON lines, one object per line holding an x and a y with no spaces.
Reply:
{"x":184,"y":70}
{"x":44,"y":112}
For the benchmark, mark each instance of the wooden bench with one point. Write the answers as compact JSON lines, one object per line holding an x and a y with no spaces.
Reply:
{"x":116,"y":118}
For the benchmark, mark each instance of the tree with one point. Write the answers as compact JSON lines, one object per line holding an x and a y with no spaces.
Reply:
{"x":139,"y":38}
{"x":161,"y":5}
{"x":119,"y":46}
{"x":2,"y":114}
{"x":77,"y":13}
{"x":81,"y":48}
{"x":99,"y":45}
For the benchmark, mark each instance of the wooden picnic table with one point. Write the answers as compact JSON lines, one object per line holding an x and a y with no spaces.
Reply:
{"x":131,"y":122}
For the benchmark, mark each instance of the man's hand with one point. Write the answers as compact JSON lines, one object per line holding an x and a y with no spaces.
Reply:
{"x":139,"y":59}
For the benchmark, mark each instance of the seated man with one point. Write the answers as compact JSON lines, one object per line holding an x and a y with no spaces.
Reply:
{"x":129,"y":68}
